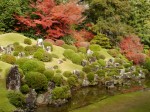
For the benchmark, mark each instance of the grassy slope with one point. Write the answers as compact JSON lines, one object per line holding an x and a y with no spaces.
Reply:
{"x":131,"y":102}
{"x":10,"y":38}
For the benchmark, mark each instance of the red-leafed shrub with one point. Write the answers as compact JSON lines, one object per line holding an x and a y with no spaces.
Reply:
{"x":59,"y":42}
{"x":51,"y":20}
{"x":82,"y":44}
{"x":132,"y":48}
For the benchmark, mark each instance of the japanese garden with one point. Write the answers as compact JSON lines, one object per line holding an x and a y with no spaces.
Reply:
{"x":74,"y":56}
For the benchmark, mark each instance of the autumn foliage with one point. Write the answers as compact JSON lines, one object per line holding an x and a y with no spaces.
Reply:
{"x":132,"y":48}
{"x":51,"y":20}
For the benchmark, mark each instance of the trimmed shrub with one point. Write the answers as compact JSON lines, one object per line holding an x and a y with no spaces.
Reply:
{"x":65,"y":46}
{"x":100,"y":73}
{"x":25,"y":89}
{"x":38,"y":55}
{"x":18,"y":48}
{"x":16,"y":98}
{"x":102,"y":62}
{"x":48,"y":44}
{"x":102,"y":56}
{"x":29,"y":49}
{"x":8,"y":58}
{"x":37,"y":81}
{"x":90,"y":76}
{"x":86,"y":69}
{"x":68,"y":53}
{"x":59,"y":42}
{"x":55,"y":66}
{"x":95,"y":47}
{"x":33,"y":65}
{"x":118,"y":60}
{"x":40,"y":50}
{"x":21,"y":61}
{"x":47,"y":57}
{"x":82,"y":49}
{"x":127,"y":65}
{"x":67,"y":74}
{"x":77,"y":59}
{"x":16,"y":44}
{"x":71,"y":81}
{"x":61,"y":93}
{"x":57,"y":79}
{"x":27,"y":41}
{"x":49,"y":74}
{"x":58,"y":71}
{"x":15,"y":53}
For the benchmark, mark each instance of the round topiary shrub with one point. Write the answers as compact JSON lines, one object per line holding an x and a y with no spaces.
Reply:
{"x":55,"y":66}
{"x":33,"y":65}
{"x":40,"y":50}
{"x":38,"y":55}
{"x":58,"y":71}
{"x":67,"y":74}
{"x":37,"y":81}
{"x":113,"y":52}
{"x":8,"y":58}
{"x":49,"y":74}
{"x":127,"y":65}
{"x":15,"y":53}
{"x":86,"y":69}
{"x":29,"y":49}
{"x":82,"y":49}
{"x":27,"y":41}
{"x":68,"y":53}
{"x":102,"y":62}
{"x":65,"y":46}
{"x":25,"y":89}
{"x":61,"y":93}
{"x":17,"y":99}
{"x":47,"y":57}
{"x":76,"y":58}
{"x":118,"y":60}
{"x":90,"y":76}
{"x":71,"y":81}
{"x":19,"y":48}
{"x":95,"y":47}
{"x":46,"y":44}
{"x":21,"y":61}
{"x":101,"y":73}
{"x":57,"y":79}
{"x":15,"y":44}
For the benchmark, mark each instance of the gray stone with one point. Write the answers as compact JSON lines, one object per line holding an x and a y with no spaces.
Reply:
{"x":13,"y":79}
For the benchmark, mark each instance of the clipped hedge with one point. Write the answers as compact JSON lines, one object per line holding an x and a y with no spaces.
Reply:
{"x":95,"y":47}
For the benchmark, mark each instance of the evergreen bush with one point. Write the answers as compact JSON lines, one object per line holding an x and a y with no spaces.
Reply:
{"x":16,"y":98}
{"x":8,"y":58}
{"x":95,"y":47}
{"x":25,"y":89}
{"x":49,"y":74}
{"x":90,"y":76}
{"x":36,"y":81}
{"x":27,"y":41}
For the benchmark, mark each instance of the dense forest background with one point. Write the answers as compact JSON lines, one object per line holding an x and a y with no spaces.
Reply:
{"x":105,"y":22}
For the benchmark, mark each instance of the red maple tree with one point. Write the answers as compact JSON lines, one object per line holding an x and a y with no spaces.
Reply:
{"x":132,"y":48}
{"x":53,"y":21}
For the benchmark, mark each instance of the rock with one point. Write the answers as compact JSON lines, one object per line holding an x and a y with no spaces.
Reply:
{"x":59,"y":102}
{"x":13,"y":79}
{"x":109,"y":84}
{"x":84,"y":62}
{"x":85,"y":82}
{"x":31,"y":101}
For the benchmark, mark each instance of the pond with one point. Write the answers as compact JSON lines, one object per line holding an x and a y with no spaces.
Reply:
{"x":88,"y":95}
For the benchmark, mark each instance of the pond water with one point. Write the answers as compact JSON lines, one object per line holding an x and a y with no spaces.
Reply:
{"x":89,"y":95}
